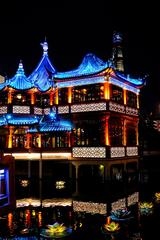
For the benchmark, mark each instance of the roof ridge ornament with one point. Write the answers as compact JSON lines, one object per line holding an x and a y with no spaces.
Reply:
{"x":45,"y":47}
{"x":20,"y":69}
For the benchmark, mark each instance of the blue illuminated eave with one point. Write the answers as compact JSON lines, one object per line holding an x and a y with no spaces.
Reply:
{"x":3,"y":120}
{"x":137,"y":82}
{"x":51,"y":123}
{"x":54,"y":129}
{"x":19,"y":81}
{"x":21,"y":120}
{"x":123,"y":85}
{"x":99,"y":79}
{"x":80,"y":81}
{"x":41,"y":77}
{"x":90,"y":65}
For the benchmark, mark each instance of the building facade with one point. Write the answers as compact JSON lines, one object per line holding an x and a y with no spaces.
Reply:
{"x":85,"y":119}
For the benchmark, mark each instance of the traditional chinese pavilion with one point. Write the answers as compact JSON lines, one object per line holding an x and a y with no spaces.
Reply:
{"x":88,"y":116}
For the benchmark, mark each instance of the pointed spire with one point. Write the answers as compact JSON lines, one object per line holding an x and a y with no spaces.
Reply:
{"x":20,"y":69}
{"x":45,"y":47}
{"x":117,"y":53}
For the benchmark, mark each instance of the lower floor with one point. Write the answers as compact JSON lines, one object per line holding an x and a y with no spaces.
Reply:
{"x":88,"y":179}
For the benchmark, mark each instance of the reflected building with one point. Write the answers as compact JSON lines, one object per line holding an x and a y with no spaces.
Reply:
{"x":74,"y":127}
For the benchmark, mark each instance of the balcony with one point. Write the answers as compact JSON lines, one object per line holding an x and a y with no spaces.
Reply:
{"x":104,"y":152}
{"x":96,"y":107}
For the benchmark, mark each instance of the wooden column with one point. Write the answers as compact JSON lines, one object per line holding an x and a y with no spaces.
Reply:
{"x":137,"y":135}
{"x":124,"y":96}
{"x":39,"y":140}
{"x":32,"y":98}
{"x":28,"y":140}
{"x":137,"y":100}
{"x":10,"y":137}
{"x":9,"y":96}
{"x":70,"y":95}
{"x":107,"y":90}
{"x":107,"y":140}
{"x":56,"y":95}
{"x":124,"y":133}
{"x":69,"y":139}
{"x":51,"y":98}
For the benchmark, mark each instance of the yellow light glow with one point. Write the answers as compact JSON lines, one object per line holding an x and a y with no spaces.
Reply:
{"x":10,"y":137}
{"x":69,"y":95}
{"x":39,"y":141}
{"x":124,"y":96}
{"x":9,"y":97}
{"x":32,"y":98}
{"x":107,"y":142}
{"x":137,"y":136}
{"x":138,"y":101}
{"x":56,"y":93}
{"x":51,"y":98}
{"x":19,"y":96}
{"x":107,"y":90}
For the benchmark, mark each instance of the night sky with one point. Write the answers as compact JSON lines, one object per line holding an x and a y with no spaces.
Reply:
{"x":75,"y":28}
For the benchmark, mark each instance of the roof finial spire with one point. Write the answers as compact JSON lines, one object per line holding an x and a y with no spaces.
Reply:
{"x":20,"y":69}
{"x":45,"y":47}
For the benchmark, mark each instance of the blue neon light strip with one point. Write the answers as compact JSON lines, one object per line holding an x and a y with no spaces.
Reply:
{"x":42,"y":77}
{"x":3,"y":120}
{"x":95,"y":80}
{"x":80,"y":82}
{"x":91,"y":64}
{"x":43,"y":74}
{"x":20,"y":81}
{"x":131,"y":80}
{"x":123,"y":85}
{"x":21,"y":120}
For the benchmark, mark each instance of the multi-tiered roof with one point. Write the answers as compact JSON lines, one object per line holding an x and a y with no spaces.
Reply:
{"x":91,"y":70}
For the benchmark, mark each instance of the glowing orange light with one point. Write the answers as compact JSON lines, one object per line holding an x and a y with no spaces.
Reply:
{"x":69,"y":95}
{"x":39,"y":219}
{"x":108,"y":220}
{"x":10,"y":220}
{"x":124,"y":96}
{"x":107,"y":90}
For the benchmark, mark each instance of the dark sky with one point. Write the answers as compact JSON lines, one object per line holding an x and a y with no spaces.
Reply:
{"x":74,"y":28}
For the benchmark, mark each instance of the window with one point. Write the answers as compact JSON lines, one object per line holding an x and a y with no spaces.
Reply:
{"x":3,"y":98}
{"x":88,"y":93}
{"x":59,"y":140}
{"x":131,"y":136}
{"x":21,"y":98}
{"x":131,"y":99}
{"x":42,"y":100}
{"x":19,"y":139}
{"x":117,"y":94}
{"x":88,"y":133}
{"x":115,"y":131}
{"x":63,"y":96}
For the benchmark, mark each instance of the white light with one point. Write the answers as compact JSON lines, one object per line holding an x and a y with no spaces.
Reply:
{"x":53,"y":155}
{"x":60,"y":184}
{"x":38,"y":155}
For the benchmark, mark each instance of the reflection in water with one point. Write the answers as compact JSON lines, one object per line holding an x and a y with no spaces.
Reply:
{"x":29,"y":222}
{"x":39,"y":219}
